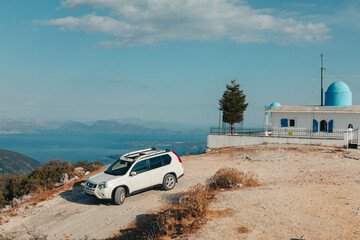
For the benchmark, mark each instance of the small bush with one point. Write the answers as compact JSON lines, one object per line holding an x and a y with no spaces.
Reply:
{"x":251,"y":180}
{"x":231,"y":177}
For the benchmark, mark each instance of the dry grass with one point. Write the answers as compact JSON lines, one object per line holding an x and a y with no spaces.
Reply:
{"x":190,"y":212}
{"x":230,"y":178}
{"x":243,"y":229}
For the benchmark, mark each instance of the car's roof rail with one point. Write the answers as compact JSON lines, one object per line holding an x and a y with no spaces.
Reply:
{"x":140,"y":154}
{"x":138,"y":151}
{"x":152,"y":153}
{"x":133,"y":155}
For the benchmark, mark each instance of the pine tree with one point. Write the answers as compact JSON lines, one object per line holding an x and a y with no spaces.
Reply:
{"x":233,"y":104}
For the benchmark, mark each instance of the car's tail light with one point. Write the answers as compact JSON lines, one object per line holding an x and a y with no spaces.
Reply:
{"x":177,"y":156}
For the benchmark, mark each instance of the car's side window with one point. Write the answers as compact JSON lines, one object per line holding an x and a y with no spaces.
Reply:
{"x":140,"y":167}
{"x":155,"y":162}
{"x":166,"y":159}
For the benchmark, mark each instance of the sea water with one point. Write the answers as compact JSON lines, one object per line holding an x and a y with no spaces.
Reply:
{"x":73,"y":147}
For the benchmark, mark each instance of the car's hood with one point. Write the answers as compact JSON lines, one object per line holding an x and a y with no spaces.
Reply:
{"x":103,"y":177}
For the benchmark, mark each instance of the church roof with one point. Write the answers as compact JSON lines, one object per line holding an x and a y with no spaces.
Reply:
{"x":315,"y":109}
{"x":274,"y":104}
{"x":338,"y":95}
{"x":338,"y":86}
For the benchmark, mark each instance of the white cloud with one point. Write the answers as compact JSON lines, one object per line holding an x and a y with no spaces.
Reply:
{"x":142,"y":22}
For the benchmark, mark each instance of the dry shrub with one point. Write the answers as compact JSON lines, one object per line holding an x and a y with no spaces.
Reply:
{"x":185,"y":215}
{"x":196,"y":199}
{"x":243,"y":229}
{"x":251,"y":180}
{"x":231,"y":177}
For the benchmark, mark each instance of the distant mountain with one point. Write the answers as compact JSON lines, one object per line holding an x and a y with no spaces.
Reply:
{"x":13,"y":162}
{"x":163,"y":125}
{"x":74,"y":126}
{"x":24,"y":125}
{"x":125,"y":126}
{"x":113,"y":126}
{"x":104,"y":126}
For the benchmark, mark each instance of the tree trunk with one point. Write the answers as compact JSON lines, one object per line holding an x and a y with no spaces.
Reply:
{"x":232,"y":129}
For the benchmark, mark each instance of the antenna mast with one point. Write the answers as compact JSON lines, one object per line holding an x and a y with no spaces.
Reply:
{"x":322,"y":81}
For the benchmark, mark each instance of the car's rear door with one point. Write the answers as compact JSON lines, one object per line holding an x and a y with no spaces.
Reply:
{"x":158,"y":168}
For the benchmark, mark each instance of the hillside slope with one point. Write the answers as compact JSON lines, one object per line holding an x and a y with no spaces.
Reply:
{"x":13,"y":162}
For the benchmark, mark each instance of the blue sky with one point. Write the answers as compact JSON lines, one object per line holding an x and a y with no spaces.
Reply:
{"x":170,"y":60}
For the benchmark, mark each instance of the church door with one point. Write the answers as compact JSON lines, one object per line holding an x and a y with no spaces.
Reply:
{"x":323,"y":126}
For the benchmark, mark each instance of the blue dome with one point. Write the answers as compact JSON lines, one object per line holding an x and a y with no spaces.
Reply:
{"x":273,"y":105}
{"x":338,"y":94}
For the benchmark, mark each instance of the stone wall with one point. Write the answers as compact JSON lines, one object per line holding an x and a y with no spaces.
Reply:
{"x":220,"y":141}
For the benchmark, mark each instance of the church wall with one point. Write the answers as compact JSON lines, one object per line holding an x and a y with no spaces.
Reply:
{"x":305,"y":120}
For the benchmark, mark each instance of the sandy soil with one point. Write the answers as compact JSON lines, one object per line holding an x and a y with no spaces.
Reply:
{"x":306,"y":190}
{"x":309,"y":192}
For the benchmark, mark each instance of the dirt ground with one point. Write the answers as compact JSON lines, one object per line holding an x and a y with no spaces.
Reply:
{"x":309,"y":191}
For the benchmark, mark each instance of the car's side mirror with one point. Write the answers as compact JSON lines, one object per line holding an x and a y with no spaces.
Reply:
{"x":133,"y":174}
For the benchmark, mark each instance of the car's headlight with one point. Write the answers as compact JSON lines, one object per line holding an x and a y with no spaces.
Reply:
{"x":103,"y":185}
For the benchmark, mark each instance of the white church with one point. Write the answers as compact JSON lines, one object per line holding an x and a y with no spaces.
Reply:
{"x":334,"y":117}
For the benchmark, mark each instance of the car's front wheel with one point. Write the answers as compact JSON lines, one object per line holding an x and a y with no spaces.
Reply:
{"x":169,"y":182}
{"x":119,"y":196}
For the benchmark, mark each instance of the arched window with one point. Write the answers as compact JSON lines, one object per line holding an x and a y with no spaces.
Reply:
{"x":323,"y":126}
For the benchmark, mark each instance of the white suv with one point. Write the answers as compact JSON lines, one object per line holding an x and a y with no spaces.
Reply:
{"x":135,"y":172}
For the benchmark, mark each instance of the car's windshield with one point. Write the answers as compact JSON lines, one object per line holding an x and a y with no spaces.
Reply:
{"x":120,"y":167}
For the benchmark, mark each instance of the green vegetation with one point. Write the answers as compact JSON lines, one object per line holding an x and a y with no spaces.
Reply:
{"x":233,"y":104}
{"x":42,"y":178}
{"x":16,"y":163}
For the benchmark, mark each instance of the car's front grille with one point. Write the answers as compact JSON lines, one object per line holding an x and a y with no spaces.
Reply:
{"x":90,"y":185}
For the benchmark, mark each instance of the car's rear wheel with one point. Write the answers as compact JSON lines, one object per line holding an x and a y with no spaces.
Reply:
{"x":119,"y":196}
{"x":169,"y":182}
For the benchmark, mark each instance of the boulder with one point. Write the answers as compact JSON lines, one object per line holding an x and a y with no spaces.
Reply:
{"x":64,"y":178}
{"x":15,"y":202}
{"x":79,"y":169}
{"x":26,"y":197}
